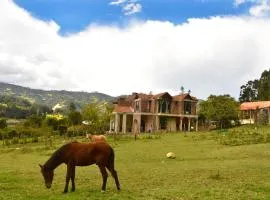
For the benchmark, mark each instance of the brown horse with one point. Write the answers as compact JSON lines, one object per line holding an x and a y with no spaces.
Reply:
{"x":96,"y":138}
{"x":81,"y":154}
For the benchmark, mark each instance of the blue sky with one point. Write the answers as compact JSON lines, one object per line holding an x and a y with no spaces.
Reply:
{"x":123,"y":46}
{"x":75,"y":15}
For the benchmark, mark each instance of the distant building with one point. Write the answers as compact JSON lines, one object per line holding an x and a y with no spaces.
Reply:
{"x":250,"y":111}
{"x":147,"y":112}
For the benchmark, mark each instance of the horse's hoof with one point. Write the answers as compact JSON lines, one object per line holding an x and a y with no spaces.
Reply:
{"x":65,"y":191}
{"x":102,"y":191}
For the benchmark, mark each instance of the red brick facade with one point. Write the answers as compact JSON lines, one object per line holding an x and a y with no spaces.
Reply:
{"x":146,"y":113}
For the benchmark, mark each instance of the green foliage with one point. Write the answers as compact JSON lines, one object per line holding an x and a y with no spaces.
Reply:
{"x":34,"y":121}
{"x":62,"y":129}
{"x":256,"y":90}
{"x":242,"y":135}
{"x":98,"y":115}
{"x":78,"y":130}
{"x":222,"y":108}
{"x":72,"y":107}
{"x":75,"y":118}
{"x":3,"y":123}
{"x":20,"y":108}
{"x":51,"y":98}
{"x":236,"y":138}
{"x":56,"y":120}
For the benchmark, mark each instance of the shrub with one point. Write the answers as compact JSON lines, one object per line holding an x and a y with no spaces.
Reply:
{"x":62,"y":129}
{"x":78,"y":130}
{"x":3,"y":123}
{"x":34,"y":121}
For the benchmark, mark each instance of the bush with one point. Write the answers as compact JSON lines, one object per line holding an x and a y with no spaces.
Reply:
{"x":34,"y":121}
{"x":243,"y":137}
{"x":78,"y":130}
{"x":3,"y":123}
{"x":62,"y":129}
{"x":12,"y":133}
{"x":55,"y":121}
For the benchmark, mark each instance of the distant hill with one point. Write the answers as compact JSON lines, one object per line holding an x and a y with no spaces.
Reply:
{"x":51,"y":97}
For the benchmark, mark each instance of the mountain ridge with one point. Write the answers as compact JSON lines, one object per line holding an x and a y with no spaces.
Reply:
{"x":52,"y":97}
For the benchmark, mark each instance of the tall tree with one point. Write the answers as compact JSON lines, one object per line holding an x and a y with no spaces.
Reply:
{"x":222,"y":108}
{"x":257,"y":89}
{"x":264,"y":86}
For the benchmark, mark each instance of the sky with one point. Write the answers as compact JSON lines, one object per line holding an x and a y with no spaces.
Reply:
{"x":118,"y":47}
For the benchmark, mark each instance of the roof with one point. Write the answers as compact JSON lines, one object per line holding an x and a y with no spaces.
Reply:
{"x":254,"y":105}
{"x":127,"y":100}
{"x":157,"y":96}
{"x":123,"y":109}
{"x":181,"y":97}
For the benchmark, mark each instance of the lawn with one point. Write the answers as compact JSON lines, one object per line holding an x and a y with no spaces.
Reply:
{"x":203,"y":169}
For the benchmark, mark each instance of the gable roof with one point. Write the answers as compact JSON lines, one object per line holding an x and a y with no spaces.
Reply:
{"x":181,"y":97}
{"x":158,"y":96}
{"x":254,"y":105}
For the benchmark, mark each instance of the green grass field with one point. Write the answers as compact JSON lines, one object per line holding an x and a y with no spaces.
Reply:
{"x":203,"y":169}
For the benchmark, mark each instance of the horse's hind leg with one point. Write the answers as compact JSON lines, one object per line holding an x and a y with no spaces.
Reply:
{"x":73,"y":178}
{"x":104,"y":176}
{"x":114,"y":174}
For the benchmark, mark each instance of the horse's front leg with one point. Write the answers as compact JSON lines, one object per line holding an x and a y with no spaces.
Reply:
{"x":68,"y":176}
{"x":104,"y":177}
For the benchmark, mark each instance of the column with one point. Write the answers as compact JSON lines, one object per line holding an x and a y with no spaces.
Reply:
{"x":110,"y":126}
{"x":116,"y":123}
{"x":188,"y":124}
{"x":181,"y":124}
{"x":157,"y":123}
{"x":124,"y":123}
{"x":197,"y":124}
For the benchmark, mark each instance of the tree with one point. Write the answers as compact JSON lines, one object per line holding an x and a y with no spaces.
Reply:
{"x":34,"y":121}
{"x":72,"y":107}
{"x":257,"y":89}
{"x":75,"y":118}
{"x":264,"y":86}
{"x":3,"y":123}
{"x":98,"y":115}
{"x":222,"y":108}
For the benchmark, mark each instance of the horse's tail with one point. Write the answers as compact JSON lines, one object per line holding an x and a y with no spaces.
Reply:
{"x":111,"y":159}
{"x":112,"y":170}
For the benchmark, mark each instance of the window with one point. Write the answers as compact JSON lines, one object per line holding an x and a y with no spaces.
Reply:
{"x":164,"y":106}
{"x":187,"y":107}
{"x":149,"y":106}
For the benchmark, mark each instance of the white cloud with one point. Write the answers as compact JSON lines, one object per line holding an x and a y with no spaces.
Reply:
{"x":117,"y":2}
{"x":259,"y":8}
{"x":132,"y":8}
{"x":208,"y":56}
{"x":129,"y":7}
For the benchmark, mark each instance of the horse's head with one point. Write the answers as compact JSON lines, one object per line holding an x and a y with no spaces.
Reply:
{"x":47,"y":175}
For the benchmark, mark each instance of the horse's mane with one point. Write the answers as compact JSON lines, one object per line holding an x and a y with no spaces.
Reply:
{"x":56,"y":157}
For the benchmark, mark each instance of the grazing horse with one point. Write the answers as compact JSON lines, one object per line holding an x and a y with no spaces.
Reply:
{"x":81,"y":154}
{"x":96,"y":138}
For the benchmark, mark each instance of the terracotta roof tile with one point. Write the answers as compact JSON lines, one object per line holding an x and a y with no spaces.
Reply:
{"x":123,"y":109}
{"x":254,"y":105}
{"x":181,"y":97}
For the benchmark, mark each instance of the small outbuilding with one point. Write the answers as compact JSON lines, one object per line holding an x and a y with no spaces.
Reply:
{"x":250,"y":112}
